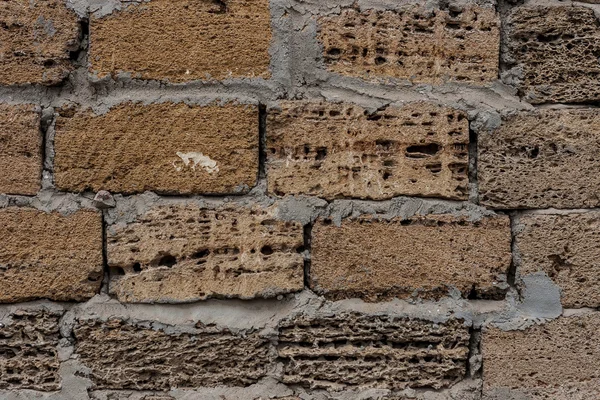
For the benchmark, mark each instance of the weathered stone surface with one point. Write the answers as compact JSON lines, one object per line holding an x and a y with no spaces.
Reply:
{"x":377,"y":259}
{"x":35,"y":41}
{"x":555,"y":360}
{"x":183,"y":253}
{"x":28,"y":351}
{"x":414,"y":43}
{"x":541,"y":159}
{"x":554,"y":51}
{"x":167,"y":148}
{"x":183,"y":40}
{"x":339,"y":150}
{"x":567,"y":249}
{"x":48,"y":255}
{"x":353,"y":349}
{"x":20,"y":149}
{"x":123,"y":355}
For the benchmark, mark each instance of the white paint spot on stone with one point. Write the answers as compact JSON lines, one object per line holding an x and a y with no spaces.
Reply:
{"x":195,"y":159}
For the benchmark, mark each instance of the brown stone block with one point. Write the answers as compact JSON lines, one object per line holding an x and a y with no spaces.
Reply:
{"x":29,"y":354}
{"x":123,"y":355}
{"x":556,"y":360}
{"x":567,"y":249}
{"x":554,"y":52}
{"x":413,"y":43}
{"x":184,"y":253}
{"x":358,"y":350}
{"x":48,"y":255}
{"x":20,"y":149}
{"x":167,"y":148}
{"x":35,"y":41}
{"x":183,"y":40}
{"x":541,"y":159}
{"x":377,"y":259}
{"x":339,"y":150}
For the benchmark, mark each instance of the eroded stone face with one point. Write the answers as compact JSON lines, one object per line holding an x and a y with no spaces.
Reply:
{"x":414,"y":43}
{"x":184,"y":253}
{"x":167,"y":148}
{"x":35,"y":41}
{"x":339,"y":150}
{"x":49,"y":255}
{"x":352,"y":349}
{"x":554,"y":51}
{"x":28,"y":351}
{"x":376,"y":259}
{"x":567,"y":249}
{"x":123,"y":355}
{"x":554,"y":360}
{"x":541,"y":159}
{"x":183,"y":40}
{"x":20,"y":149}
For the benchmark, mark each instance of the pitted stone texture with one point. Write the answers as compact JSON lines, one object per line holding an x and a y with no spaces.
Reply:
{"x":352,"y":349}
{"x":20,"y":149}
{"x":414,"y":43}
{"x":123,"y":355}
{"x":48,"y":255}
{"x":541,"y":159}
{"x":35,"y":41}
{"x":556,"y":50}
{"x":377,"y":259}
{"x":555,"y":360}
{"x":184,"y":253}
{"x":167,"y":148}
{"x":183,"y":40}
{"x":28,"y":351}
{"x":339,"y":150}
{"x":567,"y":248}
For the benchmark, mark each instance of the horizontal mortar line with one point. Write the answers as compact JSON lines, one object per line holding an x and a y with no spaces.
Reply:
{"x":547,"y":211}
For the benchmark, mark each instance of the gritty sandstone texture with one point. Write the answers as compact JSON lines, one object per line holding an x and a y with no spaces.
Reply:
{"x":374,"y":259}
{"x":20,"y":149}
{"x":49,"y":255}
{"x":546,"y":361}
{"x":167,"y":148}
{"x":185,"y":253}
{"x":541,"y":159}
{"x":206,"y":39}
{"x":553,"y":52}
{"x":35,"y":41}
{"x":565,"y":247}
{"x":341,"y":150}
{"x":414,"y":43}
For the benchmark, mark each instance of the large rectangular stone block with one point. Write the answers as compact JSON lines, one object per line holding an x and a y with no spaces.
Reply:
{"x":185,"y":253}
{"x":167,"y":148}
{"x":339,"y":150}
{"x":183,"y":40}
{"x":376,"y":259}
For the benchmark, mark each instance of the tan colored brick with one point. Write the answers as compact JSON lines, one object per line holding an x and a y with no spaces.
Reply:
{"x":48,"y":255}
{"x":29,"y":354}
{"x":339,"y":150}
{"x":35,"y":41}
{"x":555,"y":360}
{"x":166,"y":148}
{"x":567,"y":248}
{"x":20,"y":149}
{"x":352,"y":349}
{"x":414,"y":43}
{"x":183,"y":40}
{"x":122,"y":355}
{"x":183,"y":253}
{"x":376,"y":259}
{"x":541,"y":159}
{"x":554,"y":50}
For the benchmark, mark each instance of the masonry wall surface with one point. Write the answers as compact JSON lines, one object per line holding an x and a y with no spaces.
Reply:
{"x":299,"y":200}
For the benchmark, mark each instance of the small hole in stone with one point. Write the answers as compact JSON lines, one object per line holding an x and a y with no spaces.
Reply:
{"x":201,"y":253}
{"x":334,"y":51}
{"x":137,"y":267}
{"x":167,"y":261}
{"x":380,"y":60}
{"x":321,"y":153}
{"x":266,"y":250}
{"x":49,"y":63}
